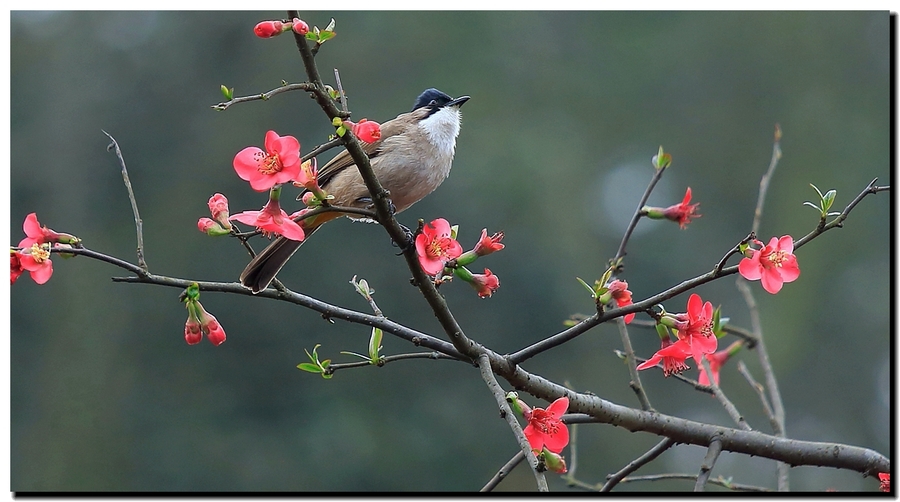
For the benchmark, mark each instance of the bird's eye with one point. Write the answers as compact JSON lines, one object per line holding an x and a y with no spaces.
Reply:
{"x":433,"y":102}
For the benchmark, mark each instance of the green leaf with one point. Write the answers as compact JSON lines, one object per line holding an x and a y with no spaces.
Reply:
{"x":590,"y":289}
{"x":375,"y":343}
{"x":817,"y":191}
{"x":228,"y":93}
{"x":325,"y":36}
{"x":312,"y":368}
{"x":828,"y":200}
{"x":348,"y":353}
{"x":810,"y":204}
{"x":330,"y":26}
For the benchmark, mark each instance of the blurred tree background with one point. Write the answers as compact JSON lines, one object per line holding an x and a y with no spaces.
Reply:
{"x":566,"y":111}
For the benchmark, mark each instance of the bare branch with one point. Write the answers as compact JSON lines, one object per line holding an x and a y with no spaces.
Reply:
{"x":764,"y":182}
{"x":504,"y":471}
{"x":646,"y":458}
{"x":712,"y":454}
{"x":715,"y":481}
{"x":726,"y":403}
{"x":138,"y":223}
{"x":632,"y":367}
{"x":305,"y":86}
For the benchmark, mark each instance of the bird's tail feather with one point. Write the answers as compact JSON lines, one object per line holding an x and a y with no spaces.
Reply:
{"x":263,"y":268}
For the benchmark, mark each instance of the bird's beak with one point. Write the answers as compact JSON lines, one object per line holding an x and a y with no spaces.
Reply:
{"x":458,"y":101}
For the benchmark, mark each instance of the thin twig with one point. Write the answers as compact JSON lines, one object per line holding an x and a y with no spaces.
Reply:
{"x":620,"y":253}
{"x":324,"y":147}
{"x":337,"y":80}
{"x":635,"y":382}
{"x":764,"y":182}
{"x":305,"y":86}
{"x":726,"y":403}
{"x":487,"y":374}
{"x":138,"y":223}
{"x":761,"y":391}
{"x":838,"y":220}
{"x":735,"y":250}
{"x":652,"y":453}
{"x":768,"y":374}
{"x":387,"y":359}
{"x":714,"y":481}
{"x":504,"y":471}
{"x":712,"y":454}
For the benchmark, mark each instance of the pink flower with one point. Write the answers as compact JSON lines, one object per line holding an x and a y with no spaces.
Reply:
{"x":885,"y":478}
{"x":622,"y":296}
{"x":210,"y":227}
{"x":308,"y":177}
{"x":192,"y":332}
{"x":485,"y":283}
{"x":435,"y":247}
{"x":487,"y":245}
{"x":37,"y":261}
{"x":774,"y":264}
{"x":268,"y":29}
{"x":218,"y":208}
{"x":300,"y":27}
{"x":716,"y":361}
{"x":272,"y":219}
{"x":697,"y":331}
{"x":683,"y":212}
{"x":545,"y":429}
{"x":210,"y":326}
{"x":280,"y":162}
{"x":15,"y":267}
{"x":35,"y":233}
{"x":672,"y":355}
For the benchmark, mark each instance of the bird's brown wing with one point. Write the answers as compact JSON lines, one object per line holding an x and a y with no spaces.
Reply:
{"x":343,"y":160}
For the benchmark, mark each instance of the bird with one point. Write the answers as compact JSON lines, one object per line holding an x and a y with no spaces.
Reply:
{"x":411,"y":159}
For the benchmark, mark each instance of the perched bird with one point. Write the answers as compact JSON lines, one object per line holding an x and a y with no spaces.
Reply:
{"x":411,"y":159}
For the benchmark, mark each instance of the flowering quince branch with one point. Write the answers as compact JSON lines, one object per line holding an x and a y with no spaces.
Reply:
{"x":661,"y":166}
{"x":764,"y":182}
{"x":719,"y":481}
{"x":504,"y":471}
{"x":690,"y":381}
{"x":761,"y":392}
{"x":304,"y":86}
{"x":635,"y":382}
{"x":487,"y":374}
{"x":138,"y":223}
{"x":387,"y":359}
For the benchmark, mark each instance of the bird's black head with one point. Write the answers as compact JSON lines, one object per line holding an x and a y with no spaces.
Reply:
{"x":432,"y":97}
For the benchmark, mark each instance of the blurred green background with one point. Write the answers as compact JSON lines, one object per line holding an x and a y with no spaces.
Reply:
{"x":566,"y":111}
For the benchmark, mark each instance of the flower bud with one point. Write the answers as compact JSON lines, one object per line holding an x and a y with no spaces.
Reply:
{"x":268,"y":29}
{"x":192,"y":331}
{"x":300,"y":27}
{"x":218,"y":208}
{"x":210,"y":227}
{"x":554,"y":462}
{"x":367,"y":131}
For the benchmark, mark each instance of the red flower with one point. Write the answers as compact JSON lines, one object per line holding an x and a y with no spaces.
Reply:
{"x":885,"y":478}
{"x":683,"y":212}
{"x":272,"y":219}
{"x":697,"y":331}
{"x":672,"y":355}
{"x":545,"y":429}
{"x":365,"y":130}
{"x":774,"y":264}
{"x":280,"y":162}
{"x":308,"y":177}
{"x":268,"y":29}
{"x":37,"y":261}
{"x":15,"y":267}
{"x":485,"y":283}
{"x":622,"y":296}
{"x":435,"y":247}
{"x":300,"y":27}
{"x":487,"y":245}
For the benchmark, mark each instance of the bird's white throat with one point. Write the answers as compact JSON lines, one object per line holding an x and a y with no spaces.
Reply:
{"x":442,"y":128}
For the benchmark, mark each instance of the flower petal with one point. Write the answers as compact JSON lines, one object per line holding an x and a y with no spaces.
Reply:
{"x":750,"y":268}
{"x":786,"y":244}
{"x":556,"y":442}
{"x":558,"y":408}
{"x":772,"y":281}
{"x":790,"y":271}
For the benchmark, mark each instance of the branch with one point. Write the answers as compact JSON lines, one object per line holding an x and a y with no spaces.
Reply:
{"x":712,"y":454}
{"x":620,"y":253}
{"x":761,"y":392}
{"x":726,"y":403}
{"x":305,"y":86}
{"x":614,"y":479}
{"x":387,"y":359}
{"x":585,"y":325}
{"x":716,"y":481}
{"x":504,"y":471}
{"x":635,"y":382}
{"x":764,"y":182}
{"x":138,"y":223}
{"x":484,"y":364}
